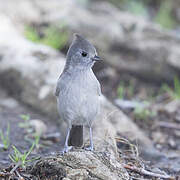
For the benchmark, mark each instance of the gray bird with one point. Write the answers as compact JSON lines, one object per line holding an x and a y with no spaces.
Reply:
{"x":78,"y":92}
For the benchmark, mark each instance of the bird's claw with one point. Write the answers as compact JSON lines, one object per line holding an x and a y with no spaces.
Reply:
{"x":66,"y":149}
{"x":90,"y":148}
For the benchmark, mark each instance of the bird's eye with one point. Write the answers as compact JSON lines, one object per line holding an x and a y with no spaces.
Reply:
{"x":84,"y":54}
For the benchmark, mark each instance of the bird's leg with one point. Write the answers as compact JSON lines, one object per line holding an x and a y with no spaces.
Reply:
{"x":91,"y":147}
{"x":66,"y":147}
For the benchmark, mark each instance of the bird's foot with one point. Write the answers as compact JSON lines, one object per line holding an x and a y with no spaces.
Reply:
{"x":90,"y":148}
{"x":66,"y":149}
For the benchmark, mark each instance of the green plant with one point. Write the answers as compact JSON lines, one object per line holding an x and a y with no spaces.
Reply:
{"x":121,"y":90}
{"x":143,"y":113}
{"x":55,"y":38}
{"x":26,"y":119}
{"x":5,"y":138}
{"x":176,"y":87}
{"x":130,"y":90}
{"x":164,"y":16}
{"x":36,"y":141}
{"x":173,"y":92}
{"x":165,"y":88}
{"x":26,"y":125}
{"x":83,"y":2}
{"x":137,"y":7}
{"x":52,"y":36}
{"x":21,"y":158}
{"x":31,"y":34}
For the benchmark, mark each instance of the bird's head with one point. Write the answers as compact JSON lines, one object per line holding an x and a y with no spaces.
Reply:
{"x":81,"y":53}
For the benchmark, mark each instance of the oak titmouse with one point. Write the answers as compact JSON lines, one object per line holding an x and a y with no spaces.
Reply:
{"x":78,"y":92}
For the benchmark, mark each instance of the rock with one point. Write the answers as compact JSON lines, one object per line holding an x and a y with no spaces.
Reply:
{"x":130,"y":104}
{"x":172,"y":107}
{"x":38,"y":126}
{"x":130,"y":44}
{"x":53,"y":137}
{"x":7,"y":102}
{"x":172,"y":143}
{"x":159,"y":138}
{"x":32,"y":80}
{"x":25,"y":75}
{"x":81,"y":165}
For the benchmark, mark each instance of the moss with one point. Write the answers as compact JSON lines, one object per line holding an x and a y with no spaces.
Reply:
{"x":55,"y":37}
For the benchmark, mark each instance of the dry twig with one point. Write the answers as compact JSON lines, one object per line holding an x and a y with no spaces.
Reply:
{"x":5,"y":174}
{"x":147,"y":173}
{"x":15,"y":167}
{"x":20,"y":177}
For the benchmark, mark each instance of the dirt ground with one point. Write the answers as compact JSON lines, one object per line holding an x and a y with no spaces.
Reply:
{"x":166,"y":140}
{"x":11,"y":116}
{"x":159,"y":120}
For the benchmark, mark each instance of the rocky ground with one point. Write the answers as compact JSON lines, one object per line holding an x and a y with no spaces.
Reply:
{"x":137,"y":133}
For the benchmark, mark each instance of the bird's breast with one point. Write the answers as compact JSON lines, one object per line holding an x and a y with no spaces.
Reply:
{"x":79,"y":99}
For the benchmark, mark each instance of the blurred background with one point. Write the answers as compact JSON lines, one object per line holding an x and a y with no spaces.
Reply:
{"x":139,"y":42}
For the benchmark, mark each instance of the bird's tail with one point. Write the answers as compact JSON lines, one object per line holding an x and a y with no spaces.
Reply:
{"x":76,"y":136}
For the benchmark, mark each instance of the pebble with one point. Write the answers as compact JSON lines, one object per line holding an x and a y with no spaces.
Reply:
{"x":39,"y":126}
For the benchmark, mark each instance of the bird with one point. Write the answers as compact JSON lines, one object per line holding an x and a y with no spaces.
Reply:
{"x":78,"y":92}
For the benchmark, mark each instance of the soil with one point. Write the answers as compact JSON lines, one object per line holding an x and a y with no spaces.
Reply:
{"x":17,"y":135}
{"x":165,"y":140}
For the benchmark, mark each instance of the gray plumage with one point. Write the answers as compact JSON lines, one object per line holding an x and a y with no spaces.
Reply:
{"x":78,"y":91}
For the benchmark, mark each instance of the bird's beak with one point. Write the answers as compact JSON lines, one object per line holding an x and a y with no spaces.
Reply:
{"x":96,"y":58}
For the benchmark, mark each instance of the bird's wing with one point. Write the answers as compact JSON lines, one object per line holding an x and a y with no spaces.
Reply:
{"x":57,"y":91}
{"x":99,"y":88}
{"x":58,"y":87}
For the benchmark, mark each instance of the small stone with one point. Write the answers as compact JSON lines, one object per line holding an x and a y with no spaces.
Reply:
{"x":177,"y":133}
{"x":130,"y":105}
{"x":177,"y":117}
{"x":158,"y":137}
{"x":9,"y":103}
{"x":159,"y":146}
{"x":44,"y":92}
{"x":1,"y":146}
{"x":172,"y":106}
{"x":39,"y":126}
{"x":172,"y":143}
